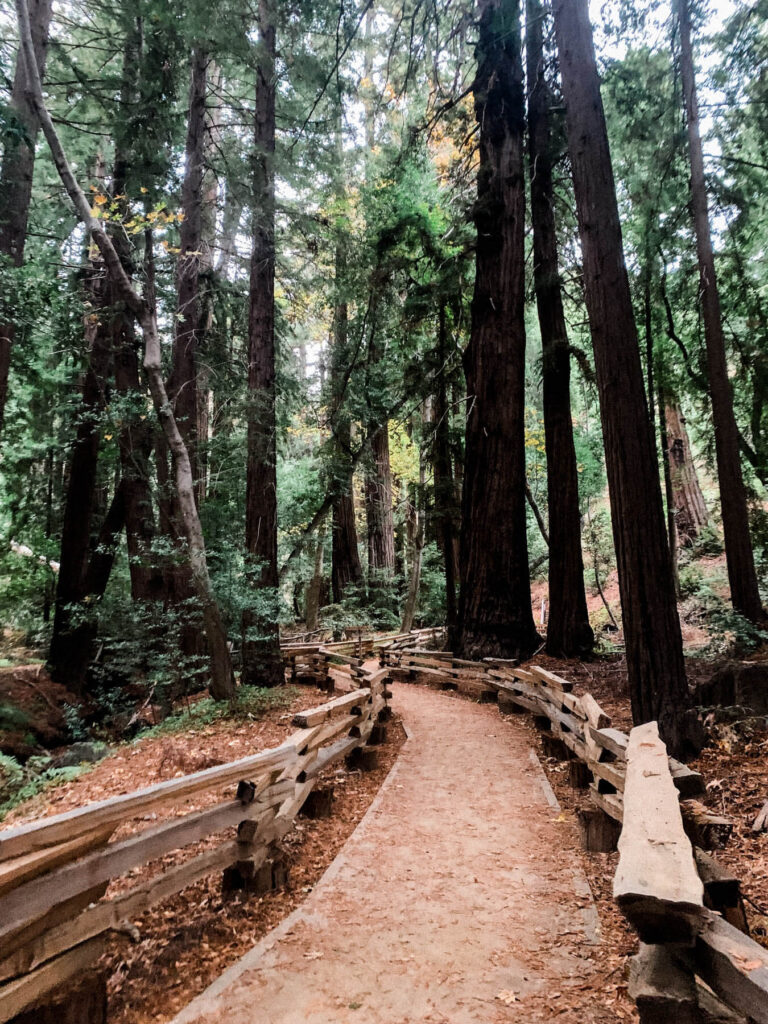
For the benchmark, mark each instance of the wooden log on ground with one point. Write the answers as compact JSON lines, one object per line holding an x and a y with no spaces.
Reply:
{"x":735,"y":968}
{"x":656,"y":884}
{"x":662,"y":987}
{"x":722,"y":890}
{"x":83,"y":1001}
{"x":599,"y":832}
{"x":706,"y":829}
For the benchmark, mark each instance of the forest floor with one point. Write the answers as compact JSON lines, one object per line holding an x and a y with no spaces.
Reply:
{"x":460,"y":899}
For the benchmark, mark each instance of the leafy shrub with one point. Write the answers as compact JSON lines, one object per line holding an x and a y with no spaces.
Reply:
{"x":249,"y":702}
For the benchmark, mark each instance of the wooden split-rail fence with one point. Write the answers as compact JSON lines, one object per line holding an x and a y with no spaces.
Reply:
{"x":696,"y":962}
{"x":55,"y":910}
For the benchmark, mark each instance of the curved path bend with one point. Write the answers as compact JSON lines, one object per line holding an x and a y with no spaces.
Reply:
{"x":458,"y":899}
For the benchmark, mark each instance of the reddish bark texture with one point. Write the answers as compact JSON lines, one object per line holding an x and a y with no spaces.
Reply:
{"x":688,"y":501}
{"x":495,"y":615}
{"x":262,"y":663}
{"x":655,"y":665}
{"x":16,"y":174}
{"x":568,"y":631}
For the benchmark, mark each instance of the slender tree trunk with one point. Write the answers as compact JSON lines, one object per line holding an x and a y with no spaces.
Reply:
{"x":346,"y":569}
{"x":222,"y":680}
{"x":182,"y":385}
{"x":262,"y":662}
{"x":315,"y":585}
{"x":568,"y":630}
{"x":655,"y":664}
{"x":495,"y":616}
{"x":445,"y":492}
{"x":745,"y":595}
{"x":671,"y":524}
{"x":416,"y":531}
{"x":16,"y":174}
{"x":688,"y":501}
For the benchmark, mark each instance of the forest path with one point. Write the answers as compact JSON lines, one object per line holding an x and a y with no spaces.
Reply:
{"x":457,"y":900}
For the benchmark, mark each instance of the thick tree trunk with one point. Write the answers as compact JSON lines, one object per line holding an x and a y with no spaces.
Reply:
{"x":745,"y":595}
{"x":655,"y":664}
{"x":690,"y":510}
{"x":73,"y":622}
{"x":568,"y":631}
{"x":16,"y":173}
{"x":446,"y":507}
{"x":262,"y":662}
{"x":346,"y":569}
{"x":378,"y":508}
{"x":222,"y":680}
{"x":495,"y":616}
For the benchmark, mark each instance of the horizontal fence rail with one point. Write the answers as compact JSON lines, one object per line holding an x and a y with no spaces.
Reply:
{"x":54,"y":872}
{"x":696,"y":961}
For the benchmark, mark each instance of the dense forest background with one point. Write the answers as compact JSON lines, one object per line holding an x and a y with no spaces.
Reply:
{"x":291,"y":192}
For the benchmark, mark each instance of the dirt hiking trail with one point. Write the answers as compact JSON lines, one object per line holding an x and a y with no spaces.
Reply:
{"x":458,"y":899}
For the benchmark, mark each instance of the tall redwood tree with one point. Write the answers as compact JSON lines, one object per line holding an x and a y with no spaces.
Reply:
{"x":655,"y":664}
{"x":495,"y":616}
{"x":742,"y":577}
{"x":568,"y":631}
{"x":262,"y":664}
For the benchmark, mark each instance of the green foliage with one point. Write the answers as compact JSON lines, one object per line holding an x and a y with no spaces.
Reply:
{"x":249,"y":702}
{"x":19,"y":783}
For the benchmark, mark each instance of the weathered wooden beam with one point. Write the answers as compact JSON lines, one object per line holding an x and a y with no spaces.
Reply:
{"x":656,"y":884}
{"x":306,"y":719}
{"x":60,"y":828}
{"x":706,"y":829}
{"x":735,"y":968}
{"x":662,"y":987}
{"x":722,"y":890}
